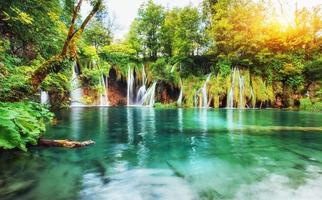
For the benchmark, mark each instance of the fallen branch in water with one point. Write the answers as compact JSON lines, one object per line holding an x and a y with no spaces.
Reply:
{"x":64,"y":143}
{"x":175,"y":171}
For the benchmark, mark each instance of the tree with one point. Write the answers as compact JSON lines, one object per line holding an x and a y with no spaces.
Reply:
{"x":168,"y":31}
{"x":55,"y":63}
{"x":33,"y":27}
{"x":150,"y":18}
{"x":187,"y":36}
{"x":97,"y":35}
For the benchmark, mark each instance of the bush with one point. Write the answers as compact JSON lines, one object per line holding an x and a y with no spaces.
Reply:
{"x":162,"y":106}
{"x":308,"y":105}
{"x":21,"y":124}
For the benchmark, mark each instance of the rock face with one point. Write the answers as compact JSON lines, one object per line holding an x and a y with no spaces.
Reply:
{"x":167,"y":93}
{"x":117,"y":88}
{"x":116,"y":96}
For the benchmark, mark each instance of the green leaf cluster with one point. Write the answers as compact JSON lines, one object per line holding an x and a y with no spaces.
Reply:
{"x":21,"y":124}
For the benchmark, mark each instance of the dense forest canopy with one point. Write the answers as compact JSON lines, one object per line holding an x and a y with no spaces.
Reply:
{"x":42,"y":41}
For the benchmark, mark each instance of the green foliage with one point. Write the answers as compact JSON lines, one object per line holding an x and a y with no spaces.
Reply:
{"x":186,"y":27}
{"x":313,"y":70}
{"x":97,"y":34}
{"x":14,"y":78}
{"x":165,"y":106}
{"x":21,"y":124}
{"x":34,"y":27}
{"x":162,"y":70}
{"x":91,"y":76}
{"x":89,"y":52}
{"x":120,"y":54}
{"x":307,"y":105}
{"x":223,"y":67}
{"x":175,"y":32}
{"x":150,"y":18}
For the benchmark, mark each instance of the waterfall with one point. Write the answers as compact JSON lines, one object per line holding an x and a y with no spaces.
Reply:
{"x":230,"y":96}
{"x":204,"y":95}
{"x":241,"y":86}
{"x":76,"y":92}
{"x":179,"y":101}
{"x":130,"y":85}
{"x":143,"y":97}
{"x":241,"y":90}
{"x":104,"y":95}
{"x":142,"y":90}
{"x":149,"y":96}
{"x":44,"y":97}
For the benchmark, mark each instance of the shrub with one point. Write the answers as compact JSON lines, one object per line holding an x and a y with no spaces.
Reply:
{"x":308,"y":105}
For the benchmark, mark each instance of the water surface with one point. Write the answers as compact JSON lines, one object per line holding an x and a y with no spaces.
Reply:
{"x":144,"y":153}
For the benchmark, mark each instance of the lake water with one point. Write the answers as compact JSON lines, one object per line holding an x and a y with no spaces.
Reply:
{"x":180,"y":154}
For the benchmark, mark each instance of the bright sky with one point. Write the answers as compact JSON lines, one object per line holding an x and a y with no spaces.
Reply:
{"x":124,"y":11}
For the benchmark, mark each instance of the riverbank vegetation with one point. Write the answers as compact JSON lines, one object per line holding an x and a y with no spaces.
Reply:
{"x":253,"y":59}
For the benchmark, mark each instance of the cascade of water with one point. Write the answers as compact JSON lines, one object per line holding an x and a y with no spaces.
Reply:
{"x":241,"y":90}
{"x":204,"y":96}
{"x":44,"y":97}
{"x":104,"y":95}
{"x":142,"y":90}
{"x":241,"y":86}
{"x":149,"y":96}
{"x":179,"y":101}
{"x":230,"y":96}
{"x":130,"y":86}
{"x":143,"y":96}
{"x":204,"y":93}
{"x":76,"y":92}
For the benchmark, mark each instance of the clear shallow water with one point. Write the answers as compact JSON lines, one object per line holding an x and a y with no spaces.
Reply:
{"x":143,"y":153}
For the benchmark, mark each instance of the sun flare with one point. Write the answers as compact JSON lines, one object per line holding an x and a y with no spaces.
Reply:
{"x":284,"y":11}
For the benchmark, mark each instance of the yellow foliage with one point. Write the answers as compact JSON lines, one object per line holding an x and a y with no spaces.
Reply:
{"x":22,"y":16}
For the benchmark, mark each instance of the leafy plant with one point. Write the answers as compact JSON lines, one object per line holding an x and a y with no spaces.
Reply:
{"x":21,"y":124}
{"x":308,"y":105}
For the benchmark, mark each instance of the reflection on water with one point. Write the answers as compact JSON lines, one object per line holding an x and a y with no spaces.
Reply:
{"x":180,"y":119}
{"x":145,"y":153}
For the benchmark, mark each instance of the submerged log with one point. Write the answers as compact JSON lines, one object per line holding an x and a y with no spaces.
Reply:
{"x":277,"y":128}
{"x":175,"y":171}
{"x":64,"y":143}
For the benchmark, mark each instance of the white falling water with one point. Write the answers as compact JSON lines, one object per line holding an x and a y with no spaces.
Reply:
{"x":130,"y":86}
{"x":104,"y":95}
{"x":76,"y":92}
{"x":241,"y":90}
{"x":241,"y":86}
{"x":143,"y":97}
{"x":179,"y":101}
{"x":142,"y":90}
{"x":44,"y":97}
{"x":203,"y":92}
{"x":149,"y":96}
{"x":230,"y":96}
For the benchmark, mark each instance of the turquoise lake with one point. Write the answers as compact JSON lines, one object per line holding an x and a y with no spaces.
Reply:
{"x":146,"y":153}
